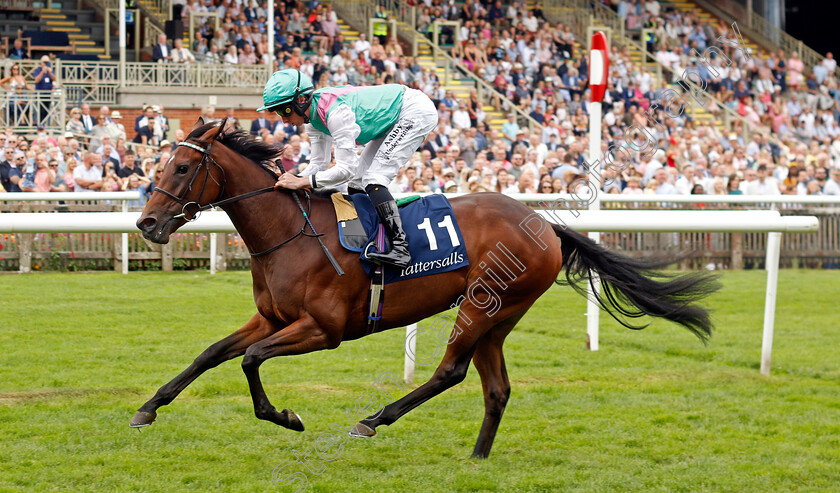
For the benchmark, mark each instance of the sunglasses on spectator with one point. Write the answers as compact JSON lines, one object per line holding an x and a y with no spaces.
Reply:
{"x":53,"y":166}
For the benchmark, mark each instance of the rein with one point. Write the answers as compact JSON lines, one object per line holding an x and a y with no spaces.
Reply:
{"x":206,"y":158}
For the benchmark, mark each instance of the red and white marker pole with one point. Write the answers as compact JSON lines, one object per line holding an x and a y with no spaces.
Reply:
{"x":599,"y":65}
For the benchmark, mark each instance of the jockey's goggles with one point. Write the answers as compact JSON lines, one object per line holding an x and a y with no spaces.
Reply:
{"x":283,"y":109}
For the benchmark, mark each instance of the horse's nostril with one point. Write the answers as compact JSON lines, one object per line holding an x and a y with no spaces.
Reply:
{"x":148,"y":223}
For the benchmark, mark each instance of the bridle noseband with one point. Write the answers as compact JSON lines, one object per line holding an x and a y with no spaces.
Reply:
{"x":206,"y":158}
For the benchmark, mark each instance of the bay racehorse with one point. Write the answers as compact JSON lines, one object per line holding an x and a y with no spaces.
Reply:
{"x":304,"y":306}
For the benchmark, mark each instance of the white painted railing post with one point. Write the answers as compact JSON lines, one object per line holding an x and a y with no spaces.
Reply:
{"x":213,"y":252}
{"x":771,"y":263}
{"x":124,"y":243}
{"x":410,"y":353}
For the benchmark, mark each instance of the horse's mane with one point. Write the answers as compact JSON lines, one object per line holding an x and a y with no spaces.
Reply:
{"x":242,"y":142}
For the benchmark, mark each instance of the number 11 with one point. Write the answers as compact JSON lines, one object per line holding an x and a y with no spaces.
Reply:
{"x":426,"y":226}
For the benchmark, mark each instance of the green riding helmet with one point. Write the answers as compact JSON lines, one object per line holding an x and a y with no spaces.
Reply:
{"x":282,"y":91}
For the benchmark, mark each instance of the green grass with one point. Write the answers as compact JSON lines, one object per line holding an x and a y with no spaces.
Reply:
{"x":653,"y":410}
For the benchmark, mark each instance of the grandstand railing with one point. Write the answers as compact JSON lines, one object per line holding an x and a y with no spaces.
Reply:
{"x":18,"y":4}
{"x":98,"y":83}
{"x":355,"y":12}
{"x":604,"y":16}
{"x":26,"y":110}
{"x":196,"y":75}
{"x":89,"y":82}
{"x":487,"y":94}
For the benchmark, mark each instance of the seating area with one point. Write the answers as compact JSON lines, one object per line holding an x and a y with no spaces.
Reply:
{"x":56,"y":30}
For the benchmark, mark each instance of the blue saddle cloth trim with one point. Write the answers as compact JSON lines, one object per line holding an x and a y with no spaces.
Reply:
{"x":424,"y":261}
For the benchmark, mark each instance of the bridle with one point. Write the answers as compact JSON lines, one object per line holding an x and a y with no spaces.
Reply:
{"x":207,"y":159}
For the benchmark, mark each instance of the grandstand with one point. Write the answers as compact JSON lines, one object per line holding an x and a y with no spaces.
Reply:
{"x":519,"y":69}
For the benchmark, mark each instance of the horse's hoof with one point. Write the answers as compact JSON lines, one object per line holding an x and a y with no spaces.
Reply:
{"x":362,"y":430}
{"x":142,"y":418}
{"x":295,"y":421}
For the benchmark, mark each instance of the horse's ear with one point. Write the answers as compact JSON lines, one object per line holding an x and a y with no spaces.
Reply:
{"x":229,"y":125}
{"x":200,"y":122}
{"x":224,"y":126}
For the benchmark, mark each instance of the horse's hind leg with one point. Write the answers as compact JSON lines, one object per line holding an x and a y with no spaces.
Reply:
{"x":472,"y":323}
{"x":230,"y":347}
{"x":490,"y":363}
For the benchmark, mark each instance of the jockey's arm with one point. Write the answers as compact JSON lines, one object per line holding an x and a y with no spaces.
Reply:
{"x":321,"y":148}
{"x":344,"y":130}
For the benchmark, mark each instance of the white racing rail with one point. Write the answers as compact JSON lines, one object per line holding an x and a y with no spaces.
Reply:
{"x":213,"y":222}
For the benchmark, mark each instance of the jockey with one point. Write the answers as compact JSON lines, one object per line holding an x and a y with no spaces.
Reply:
{"x":390,"y":120}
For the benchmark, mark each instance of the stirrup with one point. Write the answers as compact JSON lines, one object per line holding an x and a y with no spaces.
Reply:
{"x":365,"y":253}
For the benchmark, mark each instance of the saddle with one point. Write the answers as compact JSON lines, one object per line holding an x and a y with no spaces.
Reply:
{"x":352,"y":233}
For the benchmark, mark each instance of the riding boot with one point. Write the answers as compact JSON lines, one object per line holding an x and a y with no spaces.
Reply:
{"x":398,"y":255}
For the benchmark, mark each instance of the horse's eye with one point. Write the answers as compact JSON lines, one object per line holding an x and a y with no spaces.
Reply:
{"x":182,"y":169}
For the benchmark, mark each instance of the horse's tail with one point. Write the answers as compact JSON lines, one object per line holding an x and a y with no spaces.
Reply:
{"x":633,"y":288}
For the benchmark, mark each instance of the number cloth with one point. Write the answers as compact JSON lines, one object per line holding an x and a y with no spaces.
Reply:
{"x":434,"y":238}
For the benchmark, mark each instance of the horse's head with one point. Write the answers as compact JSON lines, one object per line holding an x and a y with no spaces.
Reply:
{"x":190,"y":179}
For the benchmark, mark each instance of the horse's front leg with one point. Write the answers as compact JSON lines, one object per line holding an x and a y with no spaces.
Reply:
{"x":230,"y":347}
{"x":301,"y":337}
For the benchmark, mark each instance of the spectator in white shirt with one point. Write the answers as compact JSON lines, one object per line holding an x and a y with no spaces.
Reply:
{"x":763,"y":184}
{"x":832,"y":186}
{"x":181,"y":54}
{"x":830,"y":63}
{"x":461,"y":117}
{"x":231,"y":58}
{"x":530,"y":22}
{"x":339,"y":78}
{"x":212,"y":55}
{"x":88,"y":178}
{"x":362,"y":47}
{"x":665,"y":187}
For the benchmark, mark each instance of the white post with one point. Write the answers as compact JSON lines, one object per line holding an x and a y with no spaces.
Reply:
{"x":410,"y":353}
{"x":122,"y":48}
{"x":774,"y":246}
{"x":213,"y":253}
{"x":270,"y":32}
{"x":593,"y":310}
{"x":124,"y":235}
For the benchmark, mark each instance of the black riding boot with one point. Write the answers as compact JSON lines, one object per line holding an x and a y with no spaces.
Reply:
{"x":389,"y":215}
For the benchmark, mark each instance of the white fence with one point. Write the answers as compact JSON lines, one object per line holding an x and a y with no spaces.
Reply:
{"x":53,"y":219}
{"x":605,"y":221}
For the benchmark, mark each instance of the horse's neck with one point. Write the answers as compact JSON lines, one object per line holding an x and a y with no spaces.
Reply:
{"x":264,"y":220}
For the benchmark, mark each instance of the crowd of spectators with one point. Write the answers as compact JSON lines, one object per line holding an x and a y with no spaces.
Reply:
{"x":539,"y":67}
{"x":92,"y":155}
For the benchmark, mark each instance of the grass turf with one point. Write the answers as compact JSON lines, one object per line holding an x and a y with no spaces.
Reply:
{"x":653,"y":410}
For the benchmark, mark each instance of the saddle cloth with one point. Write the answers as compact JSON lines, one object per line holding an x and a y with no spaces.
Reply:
{"x":434,"y":238}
